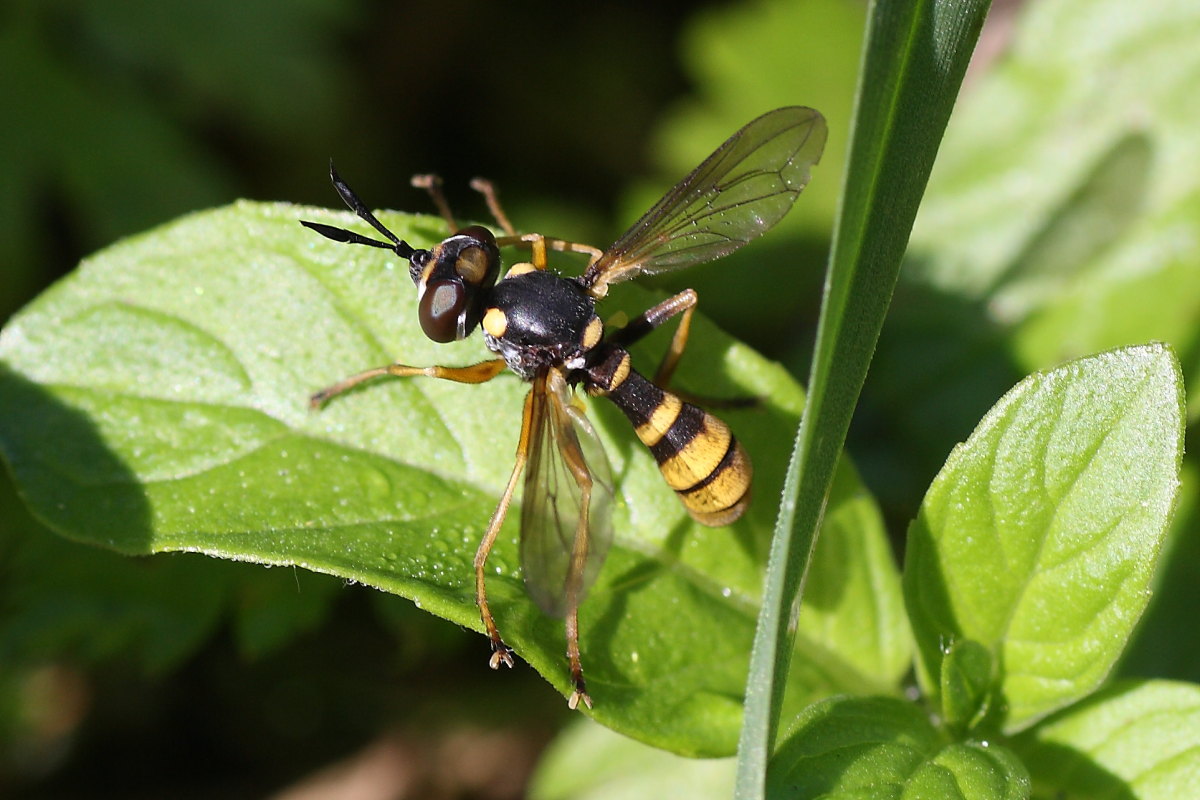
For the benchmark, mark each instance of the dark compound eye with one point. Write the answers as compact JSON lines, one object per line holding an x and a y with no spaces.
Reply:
{"x":440,"y":309}
{"x":479,"y":233}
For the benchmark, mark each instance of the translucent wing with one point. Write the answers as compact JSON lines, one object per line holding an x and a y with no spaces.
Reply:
{"x":746,"y":186}
{"x":563,"y":449}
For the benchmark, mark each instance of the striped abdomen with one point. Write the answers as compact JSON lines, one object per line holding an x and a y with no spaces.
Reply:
{"x":697,"y":454}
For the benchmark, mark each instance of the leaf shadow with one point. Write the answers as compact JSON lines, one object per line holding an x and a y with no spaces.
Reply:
{"x":940,"y":364}
{"x":605,"y":626}
{"x":66,"y":473}
{"x":937,"y":631}
{"x":1063,"y":771}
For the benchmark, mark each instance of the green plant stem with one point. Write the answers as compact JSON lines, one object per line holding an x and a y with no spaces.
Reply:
{"x":914,"y":58}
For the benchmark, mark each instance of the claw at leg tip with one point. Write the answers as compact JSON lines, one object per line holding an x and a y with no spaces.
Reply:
{"x":501,"y":655}
{"x":576,"y":697}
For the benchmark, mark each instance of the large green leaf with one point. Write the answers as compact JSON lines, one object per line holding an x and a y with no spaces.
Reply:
{"x":1032,"y":556}
{"x":872,"y":748}
{"x":156,"y":400}
{"x":1135,"y":739}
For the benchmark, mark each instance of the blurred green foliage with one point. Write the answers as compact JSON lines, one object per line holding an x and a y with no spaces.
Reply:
{"x":1059,"y":221}
{"x":120,"y":116}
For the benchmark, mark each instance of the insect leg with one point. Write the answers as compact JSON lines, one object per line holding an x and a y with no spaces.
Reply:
{"x":563,"y":246}
{"x":501,"y":653}
{"x":475,"y":373}
{"x":574,"y":580}
{"x":579,"y":693}
{"x":539,"y":244}
{"x":536,"y":242}
{"x":433,"y":185}
{"x":682,"y":303}
{"x":537,"y":247}
{"x":573,"y":456}
{"x":488,"y":190}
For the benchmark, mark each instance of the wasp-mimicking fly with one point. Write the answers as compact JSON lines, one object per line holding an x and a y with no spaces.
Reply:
{"x":544,"y":327}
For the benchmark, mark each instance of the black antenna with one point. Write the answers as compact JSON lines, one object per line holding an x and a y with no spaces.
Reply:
{"x":398,"y":246}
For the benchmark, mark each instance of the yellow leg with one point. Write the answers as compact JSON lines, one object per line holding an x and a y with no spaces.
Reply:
{"x":579,"y":693}
{"x":683,"y":303}
{"x":563,"y":246}
{"x":476,"y":373}
{"x":662,"y":376}
{"x":574,"y":459}
{"x":536,"y":242}
{"x":537,"y":249}
{"x":574,"y":581}
{"x":501,"y":653}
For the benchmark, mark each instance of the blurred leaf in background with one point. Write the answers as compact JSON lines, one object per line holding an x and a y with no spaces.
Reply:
{"x":127,"y":114}
{"x":745,"y":58}
{"x":1056,"y":223}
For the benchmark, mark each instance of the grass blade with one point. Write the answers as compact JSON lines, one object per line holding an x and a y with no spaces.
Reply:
{"x":914,"y":58}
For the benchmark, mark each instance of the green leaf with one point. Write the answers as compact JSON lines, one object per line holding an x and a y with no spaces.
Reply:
{"x":63,"y":599}
{"x":1038,"y":539}
{"x":588,"y":762}
{"x":913,"y":60}
{"x":157,"y":400}
{"x":1157,"y":648}
{"x":1135,"y":739}
{"x":873,"y":748}
{"x":853,"y":617}
{"x":1063,"y":216}
{"x":1056,"y":228}
{"x":966,"y":681}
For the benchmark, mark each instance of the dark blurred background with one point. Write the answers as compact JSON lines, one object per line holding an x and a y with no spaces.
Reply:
{"x":120,"y":116}
{"x":124,"y":115}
